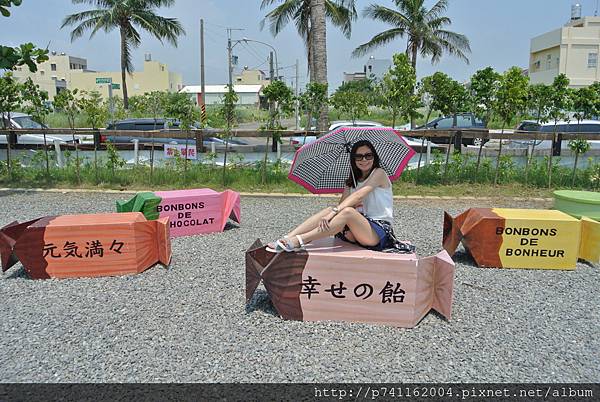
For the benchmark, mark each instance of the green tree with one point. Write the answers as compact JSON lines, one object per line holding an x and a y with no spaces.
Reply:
{"x":429,"y":90}
{"x":230,"y":100}
{"x":128,"y":16}
{"x":351,"y":103}
{"x":25,"y":54}
{"x":181,"y":107}
{"x":484,"y":84}
{"x":538,"y":101}
{"x":35,"y":102}
{"x":95,"y":113}
{"x":578,"y":146}
{"x":424,"y":29}
{"x":511,"y":98}
{"x":66,"y":102}
{"x":152,"y":105}
{"x":6,"y":4}
{"x":584,"y":101}
{"x":10,"y":101}
{"x":312,"y":101}
{"x":281,"y":100}
{"x":398,"y":90}
{"x":559,"y":102}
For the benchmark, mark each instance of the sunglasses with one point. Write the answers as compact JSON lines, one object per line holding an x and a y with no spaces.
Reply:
{"x":360,"y":157}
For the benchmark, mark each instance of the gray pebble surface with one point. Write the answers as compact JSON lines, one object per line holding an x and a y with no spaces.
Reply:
{"x":189,"y":323}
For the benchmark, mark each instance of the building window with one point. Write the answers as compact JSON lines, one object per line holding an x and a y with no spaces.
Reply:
{"x":592,"y":60}
{"x":42,"y":72}
{"x":53,"y":67}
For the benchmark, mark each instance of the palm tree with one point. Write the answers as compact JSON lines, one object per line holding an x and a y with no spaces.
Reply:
{"x":341,"y":13}
{"x":319,"y":48}
{"x":423,"y":28}
{"x":128,"y":16}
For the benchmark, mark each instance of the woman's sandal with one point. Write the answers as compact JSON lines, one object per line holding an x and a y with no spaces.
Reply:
{"x":278,"y":246}
{"x":287,"y":246}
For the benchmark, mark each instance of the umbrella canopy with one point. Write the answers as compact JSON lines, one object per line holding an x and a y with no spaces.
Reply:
{"x":324,"y":165}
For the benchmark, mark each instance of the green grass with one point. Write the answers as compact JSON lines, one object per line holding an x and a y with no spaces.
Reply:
{"x":461,"y":178}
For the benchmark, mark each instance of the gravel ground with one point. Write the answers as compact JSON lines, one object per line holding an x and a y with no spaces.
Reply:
{"x":189,"y":323}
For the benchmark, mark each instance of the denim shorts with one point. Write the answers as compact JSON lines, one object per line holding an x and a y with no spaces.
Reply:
{"x":383,"y":229}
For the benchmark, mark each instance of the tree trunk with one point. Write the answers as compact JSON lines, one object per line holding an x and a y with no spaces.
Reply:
{"x":124,"y":70}
{"x":414,"y":51}
{"x":319,"y":48}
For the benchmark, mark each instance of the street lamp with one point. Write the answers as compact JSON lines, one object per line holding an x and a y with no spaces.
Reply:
{"x":274,"y":51}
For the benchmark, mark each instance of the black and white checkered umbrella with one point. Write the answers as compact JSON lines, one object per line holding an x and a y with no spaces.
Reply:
{"x":324,"y":165}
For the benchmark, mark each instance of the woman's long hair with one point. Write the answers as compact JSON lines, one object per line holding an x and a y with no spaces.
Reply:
{"x":355,"y":173}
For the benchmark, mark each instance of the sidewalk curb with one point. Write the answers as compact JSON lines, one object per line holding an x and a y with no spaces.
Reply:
{"x":276,"y":195}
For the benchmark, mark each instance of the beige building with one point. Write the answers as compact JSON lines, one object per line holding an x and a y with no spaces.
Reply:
{"x":251,"y":77}
{"x":154,"y":76}
{"x":54,"y":74}
{"x":64,"y":71}
{"x":571,"y":50}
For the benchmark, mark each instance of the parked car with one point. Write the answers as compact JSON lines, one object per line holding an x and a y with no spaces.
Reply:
{"x":298,"y":141}
{"x":572,"y":126}
{"x":24,"y":121}
{"x":145,"y":124}
{"x":460,"y":120}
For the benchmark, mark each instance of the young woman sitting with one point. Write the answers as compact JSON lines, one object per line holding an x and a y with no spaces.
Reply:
{"x":364,"y":214}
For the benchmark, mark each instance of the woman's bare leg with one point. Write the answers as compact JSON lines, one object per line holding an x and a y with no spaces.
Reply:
{"x":309,"y":224}
{"x":359,"y":226}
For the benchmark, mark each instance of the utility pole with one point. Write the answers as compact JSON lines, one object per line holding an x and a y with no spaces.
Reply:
{"x":202,"y":77}
{"x":297,"y":102}
{"x":229,"y":59}
{"x":271,"y":106}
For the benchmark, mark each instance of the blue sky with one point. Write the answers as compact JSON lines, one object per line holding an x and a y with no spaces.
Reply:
{"x":499,"y":31}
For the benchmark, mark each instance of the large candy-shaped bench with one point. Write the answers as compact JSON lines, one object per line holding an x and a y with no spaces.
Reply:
{"x":85,"y":245}
{"x":336,"y":280}
{"x":522,"y":238}
{"x":190,"y":212}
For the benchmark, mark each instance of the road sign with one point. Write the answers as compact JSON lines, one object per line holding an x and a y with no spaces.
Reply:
{"x":103,"y":80}
{"x":116,"y":86}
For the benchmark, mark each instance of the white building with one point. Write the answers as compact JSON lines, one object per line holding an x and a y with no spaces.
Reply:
{"x":248,"y":94}
{"x":571,"y":50}
{"x":373,"y":69}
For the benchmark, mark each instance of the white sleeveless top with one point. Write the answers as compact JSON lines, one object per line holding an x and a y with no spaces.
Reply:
{"x":378,"y":204}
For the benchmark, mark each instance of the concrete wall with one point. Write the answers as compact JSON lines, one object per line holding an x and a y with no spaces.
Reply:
{"x":244,"y":99}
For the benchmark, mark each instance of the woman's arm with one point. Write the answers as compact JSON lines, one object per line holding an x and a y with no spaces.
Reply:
{"x":378,"y":179}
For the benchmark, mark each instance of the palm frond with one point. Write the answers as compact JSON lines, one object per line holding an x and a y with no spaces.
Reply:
{"x":97,"y":3}
{"x":159,"y":27}
{"x":387,"y":15}
{"x":82,"y":16}
{"x":437,"y":10}
{"x":280,"y":16}
{"x":453,"y":43}
{"x":378,"y":40}
{"x":342,"y":15}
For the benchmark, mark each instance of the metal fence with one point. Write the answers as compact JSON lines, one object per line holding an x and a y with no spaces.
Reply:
{"x":492,"y":143}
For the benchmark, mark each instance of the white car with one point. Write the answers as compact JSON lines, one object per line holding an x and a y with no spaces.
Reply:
{"x":572,"y":126}
{"x":24,"y":121}
{"x":298,"y":141}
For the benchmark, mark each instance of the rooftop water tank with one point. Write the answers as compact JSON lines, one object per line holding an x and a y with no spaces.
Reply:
{"x":575,"y":12}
